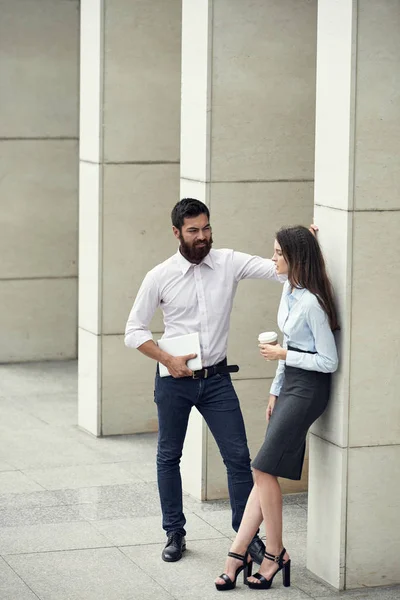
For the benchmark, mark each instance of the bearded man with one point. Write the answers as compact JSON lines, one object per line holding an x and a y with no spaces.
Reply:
{"x":195,"y":290}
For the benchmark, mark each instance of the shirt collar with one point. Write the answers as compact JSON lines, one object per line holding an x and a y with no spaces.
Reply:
{"x":185,"y":265}
{"x":296,"y":293}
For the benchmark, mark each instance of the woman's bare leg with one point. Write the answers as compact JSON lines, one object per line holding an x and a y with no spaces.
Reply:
{"x":270,"y":498}
{"x":251,"y":521}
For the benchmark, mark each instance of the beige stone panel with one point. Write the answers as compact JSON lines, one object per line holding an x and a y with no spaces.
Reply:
{"x":374,"y":410}
{"x":263,"y":95}
{"x":334,"y":133}
{"x":327,"y":511}
{"x":254,"y":310}
{"x":196,"y":89}
{"x":90,"y":241}
{"x":127,"y":389}
{"x":373,"y":521}
{"x":137,"y":234}
{"x":253,"y":396}
{"x":39,"y":68}
{"x":89,"y":382}
{"x":39,"y":216}
{"x":38,"y":320}
{"x":377,"y":177}
{"x":246,"y":217}
{"x":335,"y":236}
{"x":91,"y":79}
{"x":142,"y":64}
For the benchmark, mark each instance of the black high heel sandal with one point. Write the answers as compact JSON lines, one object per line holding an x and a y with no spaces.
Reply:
{"x":265,"y":584}
{"x":246,"y":567}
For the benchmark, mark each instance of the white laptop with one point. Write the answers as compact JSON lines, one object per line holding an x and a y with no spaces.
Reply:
{"x":180,"y":346}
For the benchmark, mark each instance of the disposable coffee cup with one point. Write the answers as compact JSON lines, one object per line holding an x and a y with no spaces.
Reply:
{"x":268,"y":337}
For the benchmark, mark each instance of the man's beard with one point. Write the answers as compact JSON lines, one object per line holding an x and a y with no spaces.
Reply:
{"x":195,"y":253}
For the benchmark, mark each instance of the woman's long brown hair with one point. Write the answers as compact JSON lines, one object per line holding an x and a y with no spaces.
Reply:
{"x":306,"y":267}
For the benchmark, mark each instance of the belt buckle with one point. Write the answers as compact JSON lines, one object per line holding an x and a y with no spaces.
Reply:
{"x":195,"y":376}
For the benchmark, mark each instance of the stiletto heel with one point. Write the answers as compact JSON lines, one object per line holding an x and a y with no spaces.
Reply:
{"x":286,"y":574}
{"x":246,"y":567}
{"x":247,"y":571}
{"x":265,"y":584}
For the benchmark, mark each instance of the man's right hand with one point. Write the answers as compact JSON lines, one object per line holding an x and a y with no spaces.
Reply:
{"x":177,"y":366}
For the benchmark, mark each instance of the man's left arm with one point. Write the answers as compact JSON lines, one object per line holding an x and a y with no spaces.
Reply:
{"x":246,"y":266}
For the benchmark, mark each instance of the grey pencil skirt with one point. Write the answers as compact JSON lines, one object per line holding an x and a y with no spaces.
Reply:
{"x":304,"y":397}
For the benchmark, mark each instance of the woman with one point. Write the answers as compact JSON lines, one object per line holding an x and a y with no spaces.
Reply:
{"x":299,"y":395}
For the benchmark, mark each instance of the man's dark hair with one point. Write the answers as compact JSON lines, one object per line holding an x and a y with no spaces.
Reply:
{"x":187,"y":207}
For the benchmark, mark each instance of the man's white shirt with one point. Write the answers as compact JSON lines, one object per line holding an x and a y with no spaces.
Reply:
{"x":195,"y":298}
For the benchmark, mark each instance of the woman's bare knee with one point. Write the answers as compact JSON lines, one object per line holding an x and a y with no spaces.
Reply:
{"x":260,"y":476}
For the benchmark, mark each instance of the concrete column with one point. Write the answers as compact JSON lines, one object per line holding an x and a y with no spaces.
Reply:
{"x":129,"y":180}
{"x":247,"y":150}
{"x":39,"y":72}
{"x":354,"y":499}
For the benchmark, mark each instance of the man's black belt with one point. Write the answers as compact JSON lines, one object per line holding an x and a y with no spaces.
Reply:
{"x":207,"y":372}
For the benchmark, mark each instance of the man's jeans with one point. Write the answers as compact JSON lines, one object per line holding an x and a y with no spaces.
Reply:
{"x":216,"y":399}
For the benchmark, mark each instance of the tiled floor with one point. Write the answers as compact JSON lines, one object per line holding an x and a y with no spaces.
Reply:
{"x":80,"y":517}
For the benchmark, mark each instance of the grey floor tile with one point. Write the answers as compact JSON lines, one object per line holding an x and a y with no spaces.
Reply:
{"x":141,"y":495}
{"x":148,"y":530}
{"x":6,"y":467}
{"x":15,"y":517}
{"x":307,"y":582}
{"x":11,"y":585}
{"x":221,"y":520}
{"x":145,"y":469}
{"x":381,"y":593}
{"x":45,"y":447}
{"x":128,"y":448}
{"x":301,"y":499}
{"x":139,"y":492}
{"x":296,"y":544}
{"x":209,"y":506}
{"x":42,"y":498}
{"x":50,"y":537}
{"x":294,"y":518}
{"x":118,"y":510}
{"x":15,"y":419}
{"x":101,"y":574}
{"x":80,"y":476}
{"x":52,"y":409}
{"x":193,"y":576}
{"x":17,"y":482}
{"x":41,"y":377}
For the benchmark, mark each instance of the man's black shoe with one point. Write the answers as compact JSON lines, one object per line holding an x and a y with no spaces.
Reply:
{"x":175,"y":546}
{"x":256,"y":550}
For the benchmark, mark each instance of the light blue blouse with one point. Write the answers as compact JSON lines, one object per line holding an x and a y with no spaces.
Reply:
{"x":305,"y":326}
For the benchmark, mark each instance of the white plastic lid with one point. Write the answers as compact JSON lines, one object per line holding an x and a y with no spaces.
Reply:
{"x":267,"y":337}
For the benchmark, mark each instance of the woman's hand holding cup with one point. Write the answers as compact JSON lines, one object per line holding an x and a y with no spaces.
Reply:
{"x":269,"y":347}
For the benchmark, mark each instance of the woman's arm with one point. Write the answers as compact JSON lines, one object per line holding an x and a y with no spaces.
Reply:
{"x":279,"y":376}
{"x":326,"y":359}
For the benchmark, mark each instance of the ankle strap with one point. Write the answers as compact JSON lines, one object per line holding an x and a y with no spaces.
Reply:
{"x":237,"y":556}
{"x":278,"y":559}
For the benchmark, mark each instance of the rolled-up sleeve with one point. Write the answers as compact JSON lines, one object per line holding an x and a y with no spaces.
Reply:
{"x":279,"y":376}
{"x":326,"y":359}
{"x":137,"y":330}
